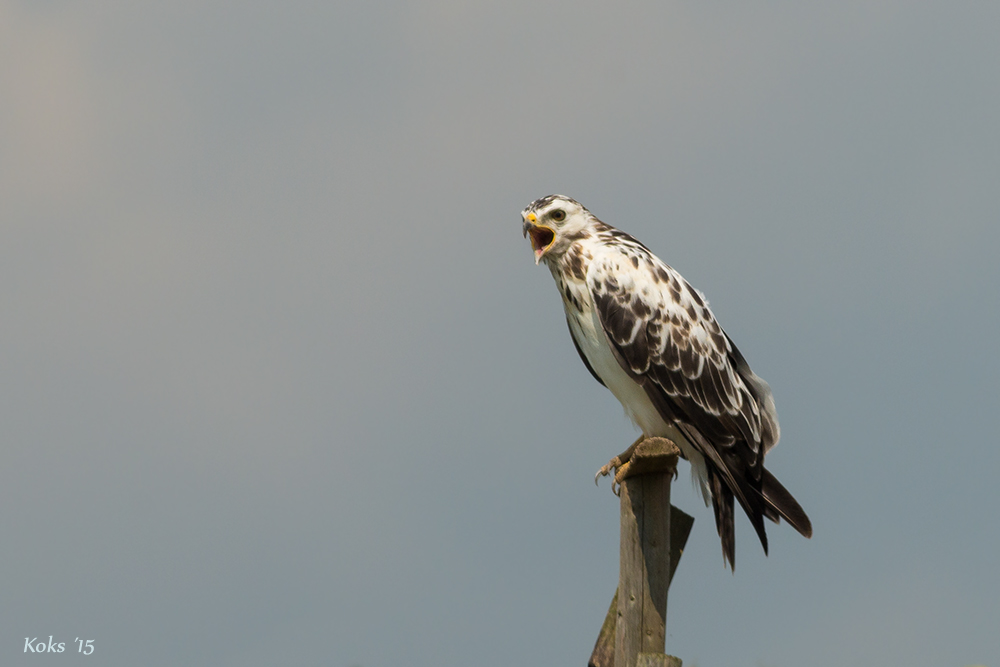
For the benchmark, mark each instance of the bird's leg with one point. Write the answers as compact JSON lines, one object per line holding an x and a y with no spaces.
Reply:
{"x":619,"y":465}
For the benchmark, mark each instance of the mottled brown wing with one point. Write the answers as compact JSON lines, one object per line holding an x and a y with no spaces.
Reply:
{"x":666,"y":337}
{"x":665,"y":332}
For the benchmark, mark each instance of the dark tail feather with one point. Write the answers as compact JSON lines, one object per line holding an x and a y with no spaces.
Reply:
{"x":772,"y":501}
{"x":722,"y":504}
{"x":781,"y":504}
{"x":756,"y":504}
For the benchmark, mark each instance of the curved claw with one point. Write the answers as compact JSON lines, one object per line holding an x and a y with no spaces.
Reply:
{"x":608,"y":468}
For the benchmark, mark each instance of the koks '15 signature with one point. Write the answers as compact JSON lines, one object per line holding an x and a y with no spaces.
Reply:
{"x":36,"y":646}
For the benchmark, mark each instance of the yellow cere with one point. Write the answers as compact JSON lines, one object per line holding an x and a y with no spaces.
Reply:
{"x":532,"y":217}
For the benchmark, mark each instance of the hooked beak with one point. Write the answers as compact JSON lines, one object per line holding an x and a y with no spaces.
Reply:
{"x":542,"y":237}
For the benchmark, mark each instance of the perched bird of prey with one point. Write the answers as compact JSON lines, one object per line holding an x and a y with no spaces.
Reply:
{"x":649,"y":337}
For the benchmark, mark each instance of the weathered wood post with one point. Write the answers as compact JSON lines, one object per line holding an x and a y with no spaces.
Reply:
{"x":653,"y":534}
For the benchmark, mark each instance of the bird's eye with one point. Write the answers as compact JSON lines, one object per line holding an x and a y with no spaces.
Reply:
{"x":558,"y":215}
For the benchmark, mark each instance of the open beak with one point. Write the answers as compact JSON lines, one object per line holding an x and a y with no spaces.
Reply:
{"x":542,"y":237}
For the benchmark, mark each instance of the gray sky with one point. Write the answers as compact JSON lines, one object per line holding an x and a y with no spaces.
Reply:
{"x":282,"y":385}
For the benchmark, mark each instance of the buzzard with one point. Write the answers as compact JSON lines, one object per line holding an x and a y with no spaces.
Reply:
{"x":649,"y":337}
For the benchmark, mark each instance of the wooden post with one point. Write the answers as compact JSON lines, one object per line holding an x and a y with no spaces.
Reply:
{"x":644,"y":567}
{"x":653,"y":534}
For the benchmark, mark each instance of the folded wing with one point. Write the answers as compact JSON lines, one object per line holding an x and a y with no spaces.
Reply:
{"x":666,"y":338}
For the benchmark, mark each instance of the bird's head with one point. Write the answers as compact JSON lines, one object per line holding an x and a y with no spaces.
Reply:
{"x":553,"y":223}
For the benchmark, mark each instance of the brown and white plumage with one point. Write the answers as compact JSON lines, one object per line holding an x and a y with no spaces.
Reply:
{"x":651,"y":339}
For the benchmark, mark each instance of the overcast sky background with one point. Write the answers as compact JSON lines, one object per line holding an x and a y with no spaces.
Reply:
{"x":282,"y":385}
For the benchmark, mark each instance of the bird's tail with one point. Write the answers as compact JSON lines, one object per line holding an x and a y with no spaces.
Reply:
{"x":725,"y":523}
{"x":772,"y":501}
{"x":781,"y":505}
